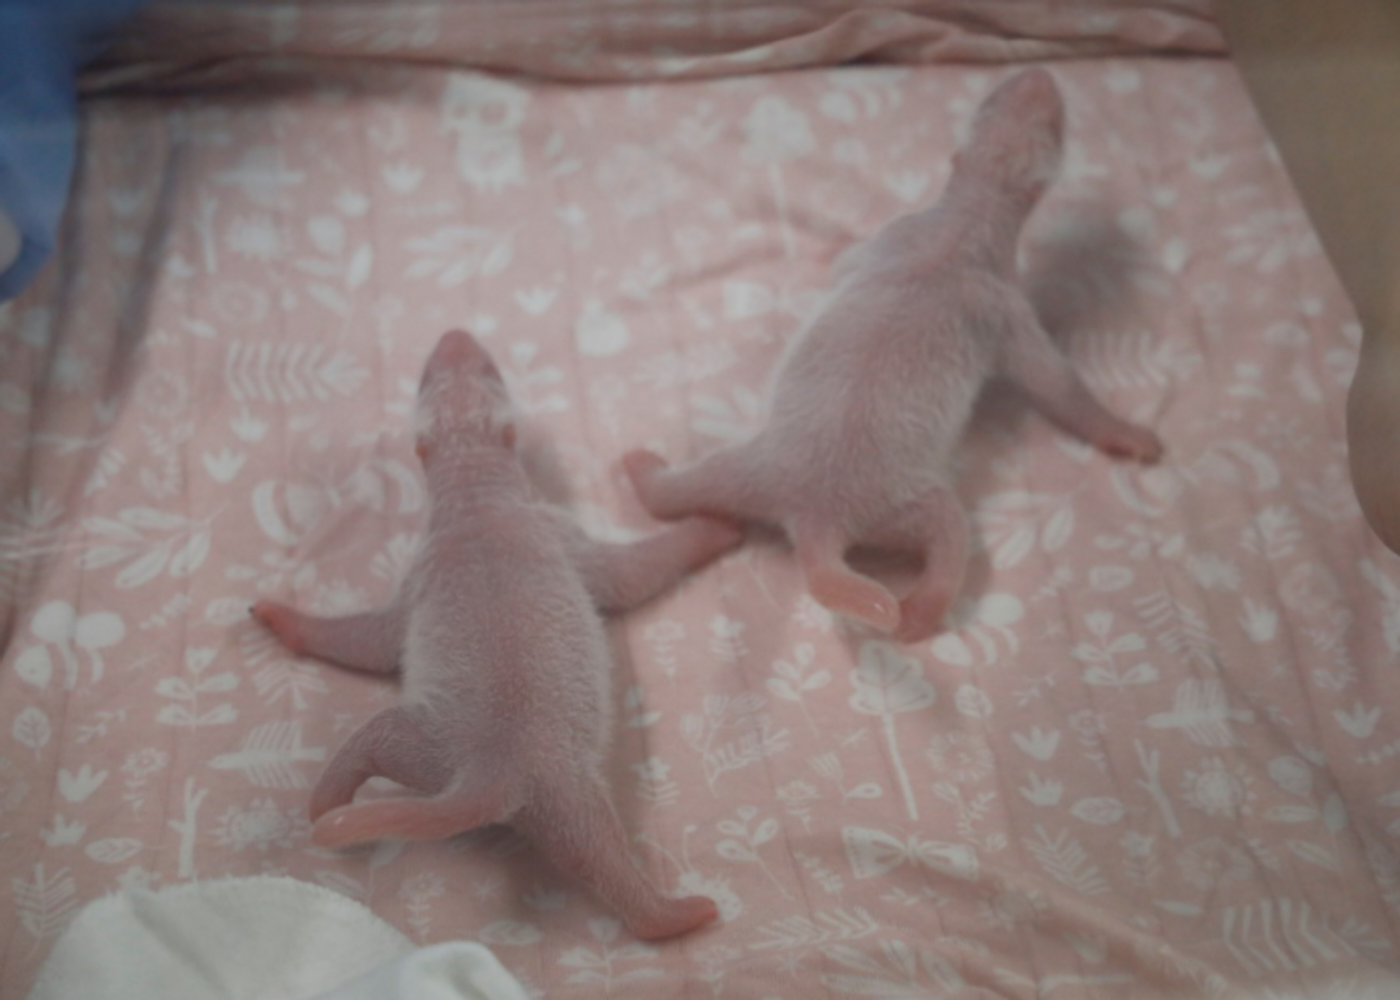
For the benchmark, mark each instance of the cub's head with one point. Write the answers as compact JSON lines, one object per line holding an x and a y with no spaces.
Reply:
{"x":1018,"y":135}
{"x":462,"y":400}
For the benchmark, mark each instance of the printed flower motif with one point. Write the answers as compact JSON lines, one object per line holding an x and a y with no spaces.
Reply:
{"x":796,"y":794}
{"x":1212,"y":862}
{"x":1212,"y":571}
{"x":140,"y":764}
{"x":665,"y":630}
{"x":721,"y":954}
{"x":1137,"y":845}
{"x":1088,"y":724}
{"x":637,"y":181}
{"x":338,"y":597}
{"x":1012,"y":906}
{"x":256,"y":237}
{"x":1292,"y":774}
{"x":259,"y":825}
{"x":235,"y":302}
{"x":71,"y":370}
{"x":728,"y":901}
{"x":1310,"y":589}
{"x":810,"y":614}
{"x":1218,"y":789}
{"x":775,"y":131}
{"x":653,"y":769}
{"x":14,"y":786}
{"x":137,"y":878}
{"x":965,"y":758}
{"x":162,"y":393}
{"x":424,"y":885}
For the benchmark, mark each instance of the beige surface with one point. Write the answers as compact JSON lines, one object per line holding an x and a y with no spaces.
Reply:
{"x":1326,"y":79}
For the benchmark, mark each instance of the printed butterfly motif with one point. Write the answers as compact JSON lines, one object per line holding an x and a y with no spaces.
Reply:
{"x":873,"y":853}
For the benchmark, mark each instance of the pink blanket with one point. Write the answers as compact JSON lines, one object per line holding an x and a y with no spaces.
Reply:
{"x":1152,"y":758}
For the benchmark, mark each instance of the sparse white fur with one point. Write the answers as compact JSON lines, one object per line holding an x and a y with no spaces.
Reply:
{"x":874,"y":394}
{"x":506,"y":709}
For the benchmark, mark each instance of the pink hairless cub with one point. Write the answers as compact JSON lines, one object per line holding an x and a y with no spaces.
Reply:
{"x":874,"y":394}
{"x":506,"y":711}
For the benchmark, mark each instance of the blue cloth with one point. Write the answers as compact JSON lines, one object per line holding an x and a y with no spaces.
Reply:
{"x":43,"y":43}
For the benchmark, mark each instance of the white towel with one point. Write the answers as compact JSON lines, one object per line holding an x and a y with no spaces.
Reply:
{"x":263,"y":938}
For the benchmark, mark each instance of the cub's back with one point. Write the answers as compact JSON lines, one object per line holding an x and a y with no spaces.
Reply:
{"x":504,"y":634}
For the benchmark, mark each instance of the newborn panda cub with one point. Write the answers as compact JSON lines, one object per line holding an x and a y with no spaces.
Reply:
{"x":873,"y":396}
{"x":496,"y":633}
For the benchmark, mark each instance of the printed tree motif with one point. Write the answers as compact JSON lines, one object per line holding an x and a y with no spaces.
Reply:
{"x":187,"y":827}
{"x":887,"y":683}
{"x":776,"y":132}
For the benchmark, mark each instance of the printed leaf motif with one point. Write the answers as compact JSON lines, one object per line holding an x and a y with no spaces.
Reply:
{"x":1098,"y":811}
{"x":1063,"y":858}
{"x":1288,"y":813}
{"x":900,"y":973}
{"x":1013,"y":522}
{"x":44,"y":901}
{"x":31,"y":728}
{"x":113,"y":850}
{"x":973,"y":702}
{"x":1178,"y":628}
{"x":1314,"y":854}
{"x":1138,"y":359}
{"x":731,"y":734}
{"x":988,"y":625}
{"x":78,"y":786}
{"x":1263,"y":935}
{"x":1037,"y":744}
{"x":454,"y":254}
{"x":823,"y":927}
{"x":268,"y":372}
{"x":1360,"y":722}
